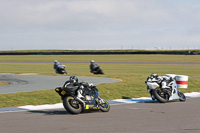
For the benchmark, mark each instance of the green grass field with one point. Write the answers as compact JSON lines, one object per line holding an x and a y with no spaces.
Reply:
{"x":104,"y":58}
{"x":132,"y":76}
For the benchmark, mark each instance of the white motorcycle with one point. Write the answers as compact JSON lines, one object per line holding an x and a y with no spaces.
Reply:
{"x":163,"y":95}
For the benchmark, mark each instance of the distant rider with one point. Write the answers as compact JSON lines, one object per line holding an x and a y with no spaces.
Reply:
{"x":93,"y":66}
{"x":58,"y":66}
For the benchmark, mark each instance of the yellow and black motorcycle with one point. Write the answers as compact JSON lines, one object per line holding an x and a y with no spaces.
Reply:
{"x":90,"y":99}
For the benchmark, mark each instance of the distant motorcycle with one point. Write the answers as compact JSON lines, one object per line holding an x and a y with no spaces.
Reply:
{"x":61,"y":69}
{"x":97,"y":70}
{"x":162,"y":95}
{"x":90,"y":100}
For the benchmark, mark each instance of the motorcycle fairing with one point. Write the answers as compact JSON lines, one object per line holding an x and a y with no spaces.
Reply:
{"x":174,"y":95}
{"x":92,"y":105}
{"x":60,"y":91}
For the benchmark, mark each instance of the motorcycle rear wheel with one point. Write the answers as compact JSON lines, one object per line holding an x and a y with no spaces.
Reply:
{"x":160,"y":96}
{"x":104,"y":106}
{"x":71,"y":105}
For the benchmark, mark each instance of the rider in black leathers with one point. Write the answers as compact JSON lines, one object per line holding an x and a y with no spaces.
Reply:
{"x":81,"y":87}
{"x":93,"y":66}
{"x":73,"y":81}
{"x":59,"y":68}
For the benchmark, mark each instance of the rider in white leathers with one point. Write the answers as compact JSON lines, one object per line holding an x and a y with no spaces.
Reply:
{"x":165,"y":84}
{"x":162,"y":81}
{"x":153,"y":78}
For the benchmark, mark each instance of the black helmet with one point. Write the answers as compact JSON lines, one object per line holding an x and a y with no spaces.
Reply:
{"x":74,"y":78}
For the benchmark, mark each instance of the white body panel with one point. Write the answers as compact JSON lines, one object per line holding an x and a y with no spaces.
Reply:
{"x":174,"y":95}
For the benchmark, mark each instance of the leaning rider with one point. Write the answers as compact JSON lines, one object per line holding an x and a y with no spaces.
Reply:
{"x":93,"y":66}
{"x":153,"y":78}
{"x":81,"y":87}
{"x":57,"y":65}
{"x":73,"y":81}
{"x":165,"y":85}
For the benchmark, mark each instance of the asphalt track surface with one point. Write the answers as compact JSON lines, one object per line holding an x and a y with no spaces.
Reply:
{"x":31,"y":82}
{"x":148,"y":117}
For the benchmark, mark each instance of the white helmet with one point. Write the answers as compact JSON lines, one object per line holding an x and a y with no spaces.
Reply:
{"x":92,"y":61}
{"x":160,"y":77}
{"x":153,"y":75}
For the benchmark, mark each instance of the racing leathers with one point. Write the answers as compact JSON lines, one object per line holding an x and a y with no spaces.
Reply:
{"x":93,"y":66}
{"x":155,"y":79}
{"x":57,"y":66}
{"x":165,"y":85}
{"x":81,"y":87}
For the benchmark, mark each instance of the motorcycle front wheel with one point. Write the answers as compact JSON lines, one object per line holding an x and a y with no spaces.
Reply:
{"x":160,"y":96}
{"x":101,"y":71}
{"x":71,"y":105}
{"x":104,"y":105}
{"x":64,"y":72}
{"x":182,"y":97}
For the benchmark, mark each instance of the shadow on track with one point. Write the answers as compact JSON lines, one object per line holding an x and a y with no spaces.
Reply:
{"x":61,"y":112}
{"x":125,"y":97}
{"x":50,"y":112}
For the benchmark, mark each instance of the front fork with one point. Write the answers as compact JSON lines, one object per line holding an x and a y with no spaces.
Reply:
{"x":101,"y":101}
{"x":150,"y":92}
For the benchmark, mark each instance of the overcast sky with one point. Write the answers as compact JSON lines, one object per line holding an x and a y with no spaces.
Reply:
{"x":99,"y":24}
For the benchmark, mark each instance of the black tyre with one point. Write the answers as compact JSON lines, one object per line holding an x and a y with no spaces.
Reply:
{"x":101,"y":72}
{"x":104,"y":105}
{"x":182,"y":97}
{"x":71,"y":105}
{"x":64,"y":72}
{"x":160,"y":96}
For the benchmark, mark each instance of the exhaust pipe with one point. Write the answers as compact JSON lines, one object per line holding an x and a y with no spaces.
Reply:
{"x":80,"y":100}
